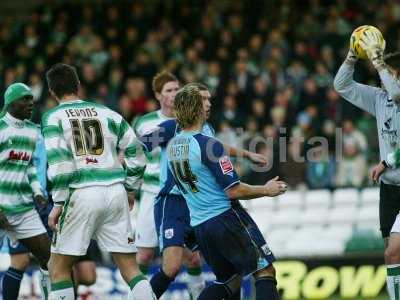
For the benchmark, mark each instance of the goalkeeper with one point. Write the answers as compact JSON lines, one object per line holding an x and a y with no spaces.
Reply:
{"x":384,"y":104}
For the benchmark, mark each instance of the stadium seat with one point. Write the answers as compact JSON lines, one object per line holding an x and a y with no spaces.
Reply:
{"x":342,"y":215}
{"x":369,"y":195}
{"x":317,"y":198}
{"x":290,"y":199}
{"x":264,"y":203}
{"x":263,"y":219}
{"x":368,"y":213}
{"x":345,"y":197}
{"x":287,"y":217}
{"x":317,"y":216}
{"x":338,"y":232}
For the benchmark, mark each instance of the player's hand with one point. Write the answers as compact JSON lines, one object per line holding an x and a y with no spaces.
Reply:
{"x":40,"y":201}
{"x":4,"y":224}
{"x":54,"y":216}
{"x":351,"y":57}
{"x":377,"y":172}
{"x":370,"y":43}
{"x":131,"y":199}
{"x":275,"y":187}
{"x":258,"y":158}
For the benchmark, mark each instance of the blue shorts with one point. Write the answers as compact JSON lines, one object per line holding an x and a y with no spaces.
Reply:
{"x":172,"y":218}
{"x":19,"y":248}
{"x":232,"y":244}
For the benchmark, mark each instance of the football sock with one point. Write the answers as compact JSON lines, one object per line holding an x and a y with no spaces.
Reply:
{"x":62,"y":290}
{"x":11,"y":283}
{"x":393,"y":281}
{"x":195,"y":282}
{"x":215,"y":291}
{"x":160,"y":283}
{"x":45,"y":284}
{"x":266,"y":288}
{"x":141,"y":288}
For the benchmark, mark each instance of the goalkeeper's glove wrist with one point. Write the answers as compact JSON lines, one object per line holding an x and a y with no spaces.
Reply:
{"x":351,"y":58}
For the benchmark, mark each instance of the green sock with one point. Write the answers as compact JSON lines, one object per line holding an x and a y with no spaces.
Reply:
{"x":62,"y":290}
{"x":194,"y":271}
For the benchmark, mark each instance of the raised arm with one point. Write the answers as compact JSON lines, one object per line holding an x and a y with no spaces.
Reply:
{"x":361,"y":95}
{"x":373,"y":46}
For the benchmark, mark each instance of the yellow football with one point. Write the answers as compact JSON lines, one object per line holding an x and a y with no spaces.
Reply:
{"x":355,"y":37}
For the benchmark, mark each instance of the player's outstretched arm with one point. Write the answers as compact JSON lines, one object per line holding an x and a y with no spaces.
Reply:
{"x":243,"y":191}
{"x":371,"y":44}
{"x":252,"y":156}
{"x":361,"y":95}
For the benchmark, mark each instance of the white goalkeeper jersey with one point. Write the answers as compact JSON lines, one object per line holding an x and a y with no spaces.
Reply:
{"x":83,"y":141}
{"x":380,"y":103}
{"x":18,"y":175}
{"x":144,"y":125}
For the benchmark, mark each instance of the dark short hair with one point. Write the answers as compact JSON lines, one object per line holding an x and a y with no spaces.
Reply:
{"x":393,"y":59}
{"x":62,"y":79}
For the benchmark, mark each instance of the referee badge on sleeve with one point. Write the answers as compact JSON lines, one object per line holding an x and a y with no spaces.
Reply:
{"x":225,"y":164}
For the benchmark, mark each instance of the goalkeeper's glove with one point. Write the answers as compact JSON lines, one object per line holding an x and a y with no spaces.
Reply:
{"x":351,"y":57}
{"x":371,"y":44}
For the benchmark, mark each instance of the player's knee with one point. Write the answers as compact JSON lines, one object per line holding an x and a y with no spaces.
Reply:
{"x":171,"y":269}
{"x":266,"y":272}
{"x":194,"y":260}
{"x":392,"y":255}
{"x":88,"y":278}
{"x":145,"y":256}
{"x":20,"y":261}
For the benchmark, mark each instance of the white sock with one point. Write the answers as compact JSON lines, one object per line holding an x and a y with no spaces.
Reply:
{"x":45,"y":284}
{"x":63,"y":290}
{"x":141,"y":290}
{"x":196,"y":284}
{"x":393,"y":281}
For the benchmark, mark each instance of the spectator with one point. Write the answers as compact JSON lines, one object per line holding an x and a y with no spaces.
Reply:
{"x":320,"y":169}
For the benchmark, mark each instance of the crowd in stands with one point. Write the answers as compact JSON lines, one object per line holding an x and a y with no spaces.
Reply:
{"x":269,"y":64}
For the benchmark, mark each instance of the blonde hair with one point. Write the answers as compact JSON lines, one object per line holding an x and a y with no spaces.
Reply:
{"x":188,"y":105}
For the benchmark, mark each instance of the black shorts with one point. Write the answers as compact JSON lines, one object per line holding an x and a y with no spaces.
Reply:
{"x":232,"y":244}
{"x":389,"y":207}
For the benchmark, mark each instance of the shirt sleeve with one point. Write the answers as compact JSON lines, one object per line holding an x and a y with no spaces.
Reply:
{"x":61,"y":164}
{"x":40,"y":162}
{"x":361,"y":95}
{"x":32,"y":175}
{"x":214,"y":156}
{"x":391,"y":84}
{"x":134,"y":157}
{"x":160,"y":136}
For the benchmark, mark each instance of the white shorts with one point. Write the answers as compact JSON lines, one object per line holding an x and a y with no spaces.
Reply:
{"x":396,"y":225}
{"x":25,"y":225}
{"x":96,"y":212}
{"x":146,"y":235}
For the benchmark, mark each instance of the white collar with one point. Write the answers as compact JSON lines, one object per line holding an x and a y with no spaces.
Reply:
{"x":14,"y":121}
